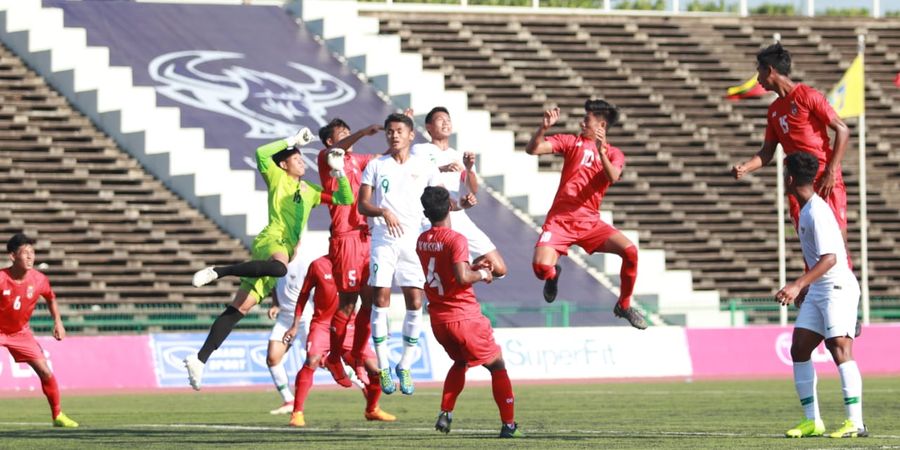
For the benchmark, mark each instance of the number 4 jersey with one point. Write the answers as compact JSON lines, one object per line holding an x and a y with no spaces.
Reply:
{"x":17,"y":298}
{"x":448,"y":301}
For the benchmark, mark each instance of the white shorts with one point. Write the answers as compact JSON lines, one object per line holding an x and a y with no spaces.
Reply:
{"x":479,"y":243}
{"x":395,"y":260}
{"x":283,"y":322}
{"x":830,"y":312}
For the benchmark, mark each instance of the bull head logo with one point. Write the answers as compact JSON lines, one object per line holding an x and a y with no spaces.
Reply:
{"x":270,"y":104}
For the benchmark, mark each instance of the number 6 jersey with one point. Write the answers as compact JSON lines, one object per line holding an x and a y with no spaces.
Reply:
{"x":17,"y":298}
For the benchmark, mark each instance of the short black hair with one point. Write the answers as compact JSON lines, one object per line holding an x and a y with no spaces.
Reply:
{"x":284,"y":154}
{"x":17,"y":241}
{"x":326,"y":131}
{"x":435,"y":110}
{"x":776,"y":57}
{"x":803,"y":167}
{"x":397,"y":117}
{"x":604,"y":109}
{"x":436,"y":201}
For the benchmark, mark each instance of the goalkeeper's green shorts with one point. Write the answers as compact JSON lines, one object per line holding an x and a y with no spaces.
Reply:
{"x":263,"y":249}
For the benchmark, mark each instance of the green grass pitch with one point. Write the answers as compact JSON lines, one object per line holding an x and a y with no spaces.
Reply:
{"x":657,"y":415}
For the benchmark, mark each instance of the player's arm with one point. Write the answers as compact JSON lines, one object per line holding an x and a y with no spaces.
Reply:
{"x":264,"y":154}
{"x":348,"y":141}
{"x":613,"y":169}
{"x":466,"y":276}
{"x":761,"y":158}
{"x":792,"y":290}
{"x":308,"y":284}
{"x":59,"y":330}
{"x":538,"y":145}
{"x":471,"y":179}
{"x":273,"y":310}
{"x":366,"y":208}
{"x":841,"y":138}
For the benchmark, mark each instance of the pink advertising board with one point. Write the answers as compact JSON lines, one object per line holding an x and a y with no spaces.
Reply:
{"x":86,"y":362}
{"x":765,"y":351}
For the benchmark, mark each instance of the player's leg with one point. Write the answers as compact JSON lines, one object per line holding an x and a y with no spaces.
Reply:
{"x":803,"y":343}
{"x":453,"y":386}
{"x":273,"y":265}
{"x":275,"y":361}
{"x":23,"y":347}
{"x":382,"y":265}
{"x":245,"y":299}
{"x":503,"y":397}
{"x":347,"y":256}
{"x":316,"y":346}
{"x":613,"y":241}
{"x":840,"y":320}
{"x":371,"y":383}
{"x":554,"y":241}
{"x":412,"y":329}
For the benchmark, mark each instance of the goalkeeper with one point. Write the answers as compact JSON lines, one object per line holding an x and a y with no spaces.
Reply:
{"x":290,"y":202}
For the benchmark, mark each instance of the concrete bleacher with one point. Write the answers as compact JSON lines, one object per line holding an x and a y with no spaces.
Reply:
{"x":680,"y":135}
{"x":115,"y":240}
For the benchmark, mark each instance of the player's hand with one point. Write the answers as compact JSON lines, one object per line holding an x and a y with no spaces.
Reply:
{"x":408,"y":112}
{"x":393,"y":225}
{"x":303,"y":137}
{"x":467,"y":201}
{"x":59,"y":330}
{"x":469,"y":160}
{"x":273,"y":312}
{"x":486,"y":275}
{"x":788,"y":294}
{"x":551,"y":116}
{"x":289,"y":335}
{"x":336,"y":161}
{"x":372,"y":130}
{"x":738,"y":170}
{"x":801,"y":297}
{"x":600,"y":136}
{"x":825,"y":184}
{"x":452,"y":167}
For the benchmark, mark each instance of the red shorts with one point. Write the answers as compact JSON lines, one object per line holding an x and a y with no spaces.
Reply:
{"x":22,"y":345}
{"x":318,"y":341}
{"x":470,"y":341}
{"x":587,"y":234}
{"x":350,"y":256}
{"x":837,"y":200}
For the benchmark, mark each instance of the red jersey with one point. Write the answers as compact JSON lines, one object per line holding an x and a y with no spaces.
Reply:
{"x":345,"y":219}
{"x":799,"y":122}
{"x":583,"y":181}
{"x":448,"y":301}
{"x":18,"y":298}
{"x":320,"y":278}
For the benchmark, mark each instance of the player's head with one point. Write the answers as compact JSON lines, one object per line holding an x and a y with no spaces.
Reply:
{"x":438,"y":123}
{"x":290,"y":161}
{"x":436,"y":201}
{"x":772,"y":62}
{"x":21,"y":251}
{"x":598,"y":114}
{"x":800,"y":170}
{"x":398,"y":129}
{"x":336,"y":130}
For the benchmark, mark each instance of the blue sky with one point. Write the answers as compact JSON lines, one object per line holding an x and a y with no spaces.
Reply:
{"x":821,"y":5}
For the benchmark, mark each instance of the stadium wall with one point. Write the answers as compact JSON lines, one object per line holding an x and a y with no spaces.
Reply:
{"x":553,"y":354}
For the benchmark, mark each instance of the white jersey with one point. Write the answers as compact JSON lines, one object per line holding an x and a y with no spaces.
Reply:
{"x":288,"y":287}
{"x":438,"y":157}
{"x":820,"y":235}
{"x":398,"y":187}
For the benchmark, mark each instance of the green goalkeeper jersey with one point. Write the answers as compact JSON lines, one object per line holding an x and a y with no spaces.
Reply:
{"x":290,"y":201}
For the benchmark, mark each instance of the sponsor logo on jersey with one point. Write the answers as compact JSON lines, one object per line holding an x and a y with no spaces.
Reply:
{"x":794,"y":110}
{"x":270,"y":104}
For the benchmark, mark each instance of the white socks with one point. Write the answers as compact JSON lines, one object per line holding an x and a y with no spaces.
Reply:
{"x":380,"y":335}
{"x":412,"y":328}
{"x":282,"y":383}
{"x":851,"y":384}
{"x":805,"y":382}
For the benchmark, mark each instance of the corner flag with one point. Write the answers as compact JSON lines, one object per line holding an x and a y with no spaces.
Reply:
{"x":848,"y":96}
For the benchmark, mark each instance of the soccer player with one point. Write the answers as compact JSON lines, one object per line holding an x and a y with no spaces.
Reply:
{"x":320,"y":277}
{"x":456,"y":318}
{"x":391,"y":186}
{"x":591,"y":166}
{"x":284,"y":302}
{"x":827,"y":295}
{"x":20,"y":287}
{"x":799,"y":120}
{"x":457,"y":167}
{"x":348,"y":248}
{"x":290,"y":202}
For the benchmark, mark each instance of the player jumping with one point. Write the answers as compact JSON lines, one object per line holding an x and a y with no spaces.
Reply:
{"x":827,"y":296}
{"x":456,"y":318}
{"x":20,"y":287}
{"x":284,"y":302}
{"x":391,"y":186}
{"x":320,"y":277}
{"x":591,"y":166}
{"x":290,"y":202}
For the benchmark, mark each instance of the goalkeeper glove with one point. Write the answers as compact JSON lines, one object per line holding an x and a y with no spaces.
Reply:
{"x":303,"y":137}
{"x":336,"y":162}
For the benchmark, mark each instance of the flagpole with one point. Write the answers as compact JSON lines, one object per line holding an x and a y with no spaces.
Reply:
{"x":863,"y":207}
{"x":782,"y":254}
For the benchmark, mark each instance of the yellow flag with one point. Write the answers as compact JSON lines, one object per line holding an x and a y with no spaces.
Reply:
{"x":848,"y":98}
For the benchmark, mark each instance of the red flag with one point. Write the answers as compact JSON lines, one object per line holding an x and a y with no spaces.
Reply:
{"x":897,"y":80}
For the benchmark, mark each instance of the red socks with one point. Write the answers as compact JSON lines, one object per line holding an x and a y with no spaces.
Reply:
{"x":453,"y":386}
{"x":372,"y":392}
{"x":338,"y":333}
{"x":628,"y":276}
{"x":362,"y":332}
{"x":302,"y":385}
{"x":503,"y":395}
{"x":51,"y":390}
{"x":544,"y":271}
